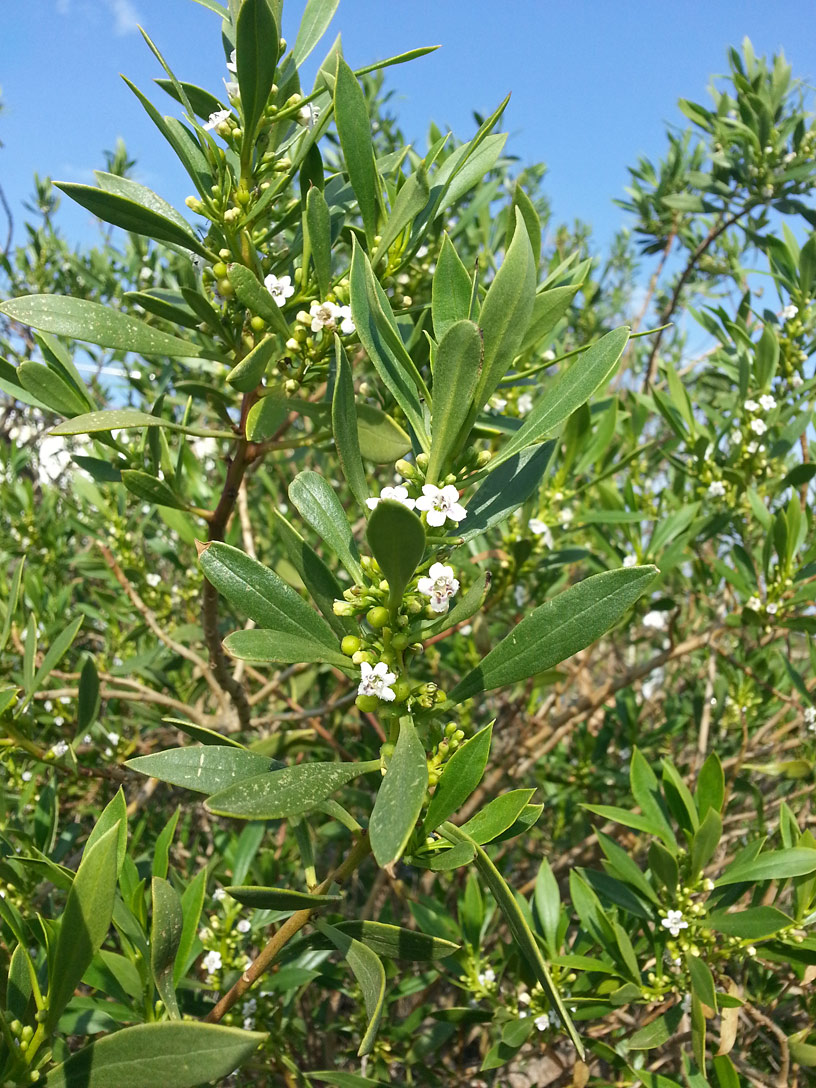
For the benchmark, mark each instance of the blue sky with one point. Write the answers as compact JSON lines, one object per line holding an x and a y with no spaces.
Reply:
{"x":594,"y":81}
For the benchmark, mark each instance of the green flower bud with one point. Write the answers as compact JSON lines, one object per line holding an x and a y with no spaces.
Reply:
{"x":257,"y":323}
{"x":350,"y":645}
{"x":219,"y":270}
{"x":377,"y":616}
{"x":367,"y":703}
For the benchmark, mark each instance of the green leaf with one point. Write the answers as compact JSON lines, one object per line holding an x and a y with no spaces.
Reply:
{"x":113,"y":814}
{"x":398,"y":943}
{"x":450,"y":290}
{"x":165,"y":937}
{"x":557,"y":629}
{"x":313,"y":25}
{"x":11,"y":602}
{"x":344,"y":1080}
{"x":121,"y":211}
{"x":456,"y":373}
{"x":208,"y":769}
{"x":547,"y":900}
{"x":380,"y":337}
{"x":246,"y":375}
{"x":279,"y":898}
{"x":400,"y":797}
{"x":192,"y":901}
{"x":751,"y":924}
{"x":460,"y":777}
{"x":257,"y":41}
{"x":262,"y":645}
{"x":290,"y":791}
{"x":370,"y":975}
{"x":770,"y":865}
{"x":702,"y":981}
{"x":354,"y":130}
{"x":381,"y":438}
{"x":505,"y":314}
{"x":625,"y":817}
{"x":251,"y":292}
{"x":263,"y":596}
{"x":658,"y":1032}
{"x":409,"y":202}
{"x":178,"y":1053}
{"x":51,"y":389}
{"x":320,"y":582}
{"x":705,"y":841}
{"x":84,"y":923}
{"x":520,"y":930}
{"x":317,"y":503}
{"x":505,"y":489}
{"x":83,"y":320}
{"x":344,"y":426}
{"x":568,"y":391}
{"x":56,"y":651}
{"x":202,"y":102}
{"x":117,"y":419}
{"x":646,"y":791}
{"x":88,"y":698}
{"x":548,"y":309}
{"x":710,"y":791}
{"x":497,"y":815}
{"x":187,"y":150}
{"x":318,"y":232}
{"x":396,"y":537}
{"x":531,"y":221}
{"x":265,"y":417}
{"x":150,"y":489}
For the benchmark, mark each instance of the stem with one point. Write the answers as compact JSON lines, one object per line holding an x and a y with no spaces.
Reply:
{"x":293,"y":925}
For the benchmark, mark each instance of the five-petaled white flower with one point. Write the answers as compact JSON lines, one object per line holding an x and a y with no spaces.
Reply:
{"x":716,"y":489}
{"x":440,"y":586}
{"x":674,"y":922}
{"x":323,"y":315}
{"x":215,"y":119}
{"x":232,"y":65}
{"x":243,"y":925}
{"x":397,"y":494}
{"x":219,"y":895}
{"x":307,"y":115}
{"x":754,"y":603}
{"x":759,"y":426}
{"x":656,"y":620}
{"x":767,"y":402}
{"x":59,"y":749}
{"x":810,"y":718}
{"x":524,"y":404}
{"x":796,"y":381}
{"x":789,"y":312}
{"x":376,"y":680}
{"x":347,"y":326}
{"x":279,"y":287}
{"x":484,"y":978}
{"x":212,"y":962}
{"x":497,"y":403}
{"x":630,"y":560}
{"x":751,"y":405}
{"x":441,"y":503}
{"x":771,"y":608}
{"x":539,"y":528}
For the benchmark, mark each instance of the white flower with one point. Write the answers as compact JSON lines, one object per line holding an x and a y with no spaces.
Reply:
{"x":796,"y":381}
{"x":219,"y":894}
{"x":249,"y":1023}
{"x":767,"y":402}
{"x":484,"y":978}
{"x":397,"y":494}
{"x":810,"y":718}
{"x":249,"y":1007}
{"x":232,"y":89}
{"x":758,"y":426}
{"x":243,"y":925}
{"x":440,"y":586}
{"x":347,"y":326}
{"x":716,"y":489}
{"x":323,"y":315}
{"x":655,"y":619}
{"x":548,"y":356}
{"x":307,"y":115}
{"x":674,"y":922}
{"x":60,"y":748}
{"x":542,"y":1022}
{"x":497,"y":403}
{"x":751,"y":406}
{"x":231,"y":64}
{"x":212,"y":962}
{"x":754,"y":603}
{"x":538,"y":528}
{"x":566,"y":517}
{"x":786,"y":159}
{"x":48,"y":706}
{"x":441,"y":503}
{"x":524,"y":404}
{"x":789,"y":312}
{"x":524,"y":998}
{"x":771,"y":608}
{"x":113,"y":738}
{"x":215,"y":119}
{"x":630,"y":560}
{"x":26,"y":776}
{"x":752,"y":447}
{"x":279,"y":288}
{"x":376,"y":680}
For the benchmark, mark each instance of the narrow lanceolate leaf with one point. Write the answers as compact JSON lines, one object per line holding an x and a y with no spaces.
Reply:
{"x":462,"y":774}
{"x":558,"y":629}
{"x":290,"y":791}
{"x":456,"y":374}
{"x":523,"y":936}
{"x":409,"y":202}
{"x":140,"y":194}
{"x":282,"y":646}
{"x":259,"y":593}
{"x":354,"y":130}
{"x":400,"y":797}
{"x":83,"y":320}
{"x":165,"y":937}
{"x":572,"y":388}
{"x":505,"y":313}
{"x":396,"y":537}
{"x":344,"y":426}
{"x":115,"y":420}
{"x":771,"y":865}
{"x":123,"y":212}
{"x":252,"y":293}
{"x":370,"y":975}
{"x":84,"y":923}
{"x":317,"y":503}
{"x":51,"y":389}
{"x":151,"y":489}
{"x":313,"y":25}
{"x":320,"y":582}
{"x":207,"y":769}
{"x":279,"y":898}
{"x":257,"y":42}
{"x":246,"y":375}
{"x":318,"y":230}
{"x":450,"y":291}
{"x":178,"y":1053}
{"x":499,"y":814}
{"x":505,"y":489}
{"x":398,"y":943}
